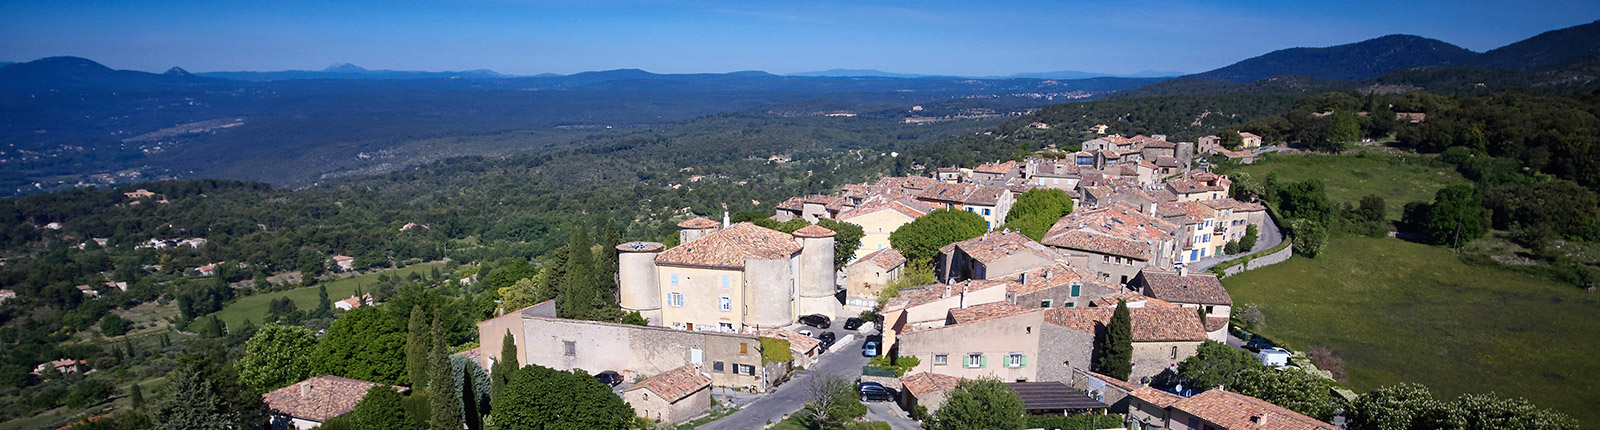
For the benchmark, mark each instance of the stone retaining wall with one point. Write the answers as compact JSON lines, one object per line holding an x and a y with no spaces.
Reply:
{"x":1259,"y":262}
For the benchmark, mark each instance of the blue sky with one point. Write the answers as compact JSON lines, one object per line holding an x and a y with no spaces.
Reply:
{"x":970,"y":38}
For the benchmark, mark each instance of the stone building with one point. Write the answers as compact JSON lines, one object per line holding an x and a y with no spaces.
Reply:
{"x":730,"y":359}
{"x":730,"y":278}
{"x":1115,"y":242}
{"x":993,"y":255}
{"x":671,"y":397}
{"x":868,"y":275}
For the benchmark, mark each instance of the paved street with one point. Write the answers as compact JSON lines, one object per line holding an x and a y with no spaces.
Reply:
{"x":758,"y":410}
{"x":1269,"y":237}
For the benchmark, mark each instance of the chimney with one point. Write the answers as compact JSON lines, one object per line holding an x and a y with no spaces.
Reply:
{"x":1183,"y":270}
{"x":725,"y":222}
{"x":305,"y":389}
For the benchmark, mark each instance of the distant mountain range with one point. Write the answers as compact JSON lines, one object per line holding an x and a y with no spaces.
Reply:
{"x":1373,"y":57}
{"x":1065,"y":74}
{"x":349,"y":71}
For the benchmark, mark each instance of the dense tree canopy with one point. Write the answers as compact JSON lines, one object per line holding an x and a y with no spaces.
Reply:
{"x":1036,"y":210}
{"x":364,"y":344}
{"x":276,"y":357}
{"x":979,"y":404}
{"x":921,"y":239}
{"x":545,"y":398}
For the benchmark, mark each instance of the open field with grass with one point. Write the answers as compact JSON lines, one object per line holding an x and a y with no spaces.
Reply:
{"x":254,"y":308}
{"x":1404,"y":312}
{"x":1400,"y":179}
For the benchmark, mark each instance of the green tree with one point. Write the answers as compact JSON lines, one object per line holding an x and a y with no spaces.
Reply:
{"x":1457,"y":214}
{"x":634,"y":318}
{"x":381,"y":409}
{"x":1295,"y":390}
{"x":539,"y":397}
{"x":113,"y":325}
{"x":445,"y":406}
{"x":1230,"y":138}
{"x":1036,"y":210}
{"x":834,"y":403}
{"x":136,"y":396}
{"x":1402,"y":407}
{"x":324,"y":306}
{"x":921,"y":239}
{"x":518,"y":295}
{"x":980,"y":404}
{"x":364,"y":344}
{"x":1114,"y":349}
{"x":282,"y":310}
{"x":419,"y":339}
{"x":1248,"y":240}
{"x":276,"y":357}
{"x":1372,"y":209}
{"x":1309,"y":237}
{"x":503,"y":368}
{"x":203,"y":398}
{"x":577,"y":297}
{"x":846,"y":240}
{"x":1215,"y":364}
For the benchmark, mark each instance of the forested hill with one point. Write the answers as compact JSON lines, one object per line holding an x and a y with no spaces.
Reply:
{"x":1374,"y":57}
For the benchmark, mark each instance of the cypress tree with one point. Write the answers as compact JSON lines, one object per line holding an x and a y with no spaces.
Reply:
{"x":501,"y":372}
{"x":606,"y":265}
{"x":469,"y":402}
{"x":442,"y":396}
{"x":127,"y":345}
{"x":577,"y":297}
{"x":137,"y":396}
{"x":418,"y":340}
{"x":1116,"y":358}
{"x":324,"y":307}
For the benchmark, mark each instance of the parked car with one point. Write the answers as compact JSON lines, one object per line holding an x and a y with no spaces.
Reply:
{"x":816,"y":320}
{"x":862,"y":385}
{"x":869,"y":349}
{"x":610,"y":378}
{"x":852,"y":323}
{"x":827,"y":339}
{"x":804,"y":331}
{"x":871,"y":393}
{"x":1257,"y":344}
{"x":1274,"y":357}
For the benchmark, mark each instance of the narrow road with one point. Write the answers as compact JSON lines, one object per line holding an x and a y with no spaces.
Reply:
{"x":1270,"y":236}
{"x":845,"y":361}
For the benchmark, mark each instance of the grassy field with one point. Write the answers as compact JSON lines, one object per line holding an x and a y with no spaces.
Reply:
{"x":254,"y":308}
{"x":1404,"y":312}
{"x":1400,"y":179}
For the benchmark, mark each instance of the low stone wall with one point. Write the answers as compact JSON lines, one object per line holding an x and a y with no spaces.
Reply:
{"x":1259,"y":262}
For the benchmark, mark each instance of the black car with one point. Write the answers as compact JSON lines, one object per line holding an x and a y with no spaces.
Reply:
{"x":610,"y":378}
{"x":827,"y":339}
{"x":852,"y":323}
{"x":817,"y":320}
{"x":1257,"y":344}
{"x":875,"y":392}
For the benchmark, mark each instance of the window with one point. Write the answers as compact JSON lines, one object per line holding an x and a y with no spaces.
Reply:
{"x":986,"y":212}
{"x":744,"y":369}
{"x":675,"y":300}
{"x":1044,"y":304}
{"x":744,"y":348}
{"x":1105,"y":259}
{"x":1072,"y":305}
{"x":725,"y":304}
{"x":1016,"y":359}
{"x":696,"y":356}
{"x":569,"y":347}
{"x":674,"y":279}
{"x":941,"y":359}
{"x":1076,"y":288}
{"x":975,"y":361}
{"x":716,"y":366}
{"x":726,"y":327}
{"x":726,"y":282}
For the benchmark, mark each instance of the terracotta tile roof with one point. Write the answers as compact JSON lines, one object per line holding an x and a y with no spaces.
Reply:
{"x":1119,"y":230}
{"x":997,"y":168}
{"x":1240,"y":412}
{"x":319,"y":398}
{"x":902,"y":185}
{"x":887,"y":258}
{"x":995,"y":245}
{"x":797,"y":341}
{"x":987,"y":311}
{"x":699,"y":223}
{"x":792,"y":204}
{"x":918,"y":296}
{"x":1234,"y":205}
{"x":640,"y":246}
{"x":963,"y":193}
{"x":820,"y":199}
{"x":674,"y":384}
{"x":1216,"y":323}
{"x":1134,"y":299}
{"x":908,"y":207}
{"x":1054,"y":169}
{"x":1166,"y":162}
{"x":730,"y":247}
{"x":813,"y":231}
{"x":1198,"y":181}
{"x":924,"y":383}
{"x":1125,"y":385}
{"x":1150,"y":324}
{"x":1249,"y":134}
{"x":1199,"y":288}
{"x":1042,"y":278}
{"x":1160,"y":399}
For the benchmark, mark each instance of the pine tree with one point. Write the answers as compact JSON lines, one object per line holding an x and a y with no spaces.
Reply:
{"x":418,"y":341}
{"x":502,"y":370}
{"x":577,"y":297}
{"x":1116,"y":349}
{"x":127,"y":345}
{"x":442,"y":396}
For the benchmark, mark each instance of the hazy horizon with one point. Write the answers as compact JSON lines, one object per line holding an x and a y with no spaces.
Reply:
{"x":937,"y":38}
